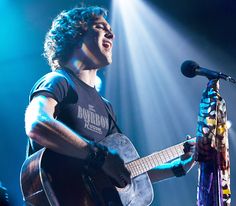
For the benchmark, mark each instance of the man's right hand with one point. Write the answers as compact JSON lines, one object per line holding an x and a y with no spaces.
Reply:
{"x":114,"y":167}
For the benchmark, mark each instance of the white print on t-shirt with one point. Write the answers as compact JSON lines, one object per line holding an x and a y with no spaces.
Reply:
{"x":92,"y":120}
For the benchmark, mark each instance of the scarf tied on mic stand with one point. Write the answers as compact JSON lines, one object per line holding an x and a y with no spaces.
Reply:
{"x":212,"y":137}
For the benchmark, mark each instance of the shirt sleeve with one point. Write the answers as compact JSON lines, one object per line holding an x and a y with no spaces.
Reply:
{"x":52,"y":85}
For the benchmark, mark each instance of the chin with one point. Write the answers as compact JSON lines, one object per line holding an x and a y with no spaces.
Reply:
{"x":106,"y":61}
{"x":104,"y":64}
{"x":104,"y":58}
{"x":109,"y":60}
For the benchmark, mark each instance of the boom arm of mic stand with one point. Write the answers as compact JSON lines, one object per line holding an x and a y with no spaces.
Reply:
{"x":227,"y":78}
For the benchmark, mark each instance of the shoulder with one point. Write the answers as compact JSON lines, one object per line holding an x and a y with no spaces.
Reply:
{"x":54,"y":77}
{"x":109,"y":107}
{"x":105,"y":100}
{"x":54,"y":83}
{"x":107,"y":103}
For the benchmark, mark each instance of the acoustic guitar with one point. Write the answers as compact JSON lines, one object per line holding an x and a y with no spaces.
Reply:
{"x":51,"y":179}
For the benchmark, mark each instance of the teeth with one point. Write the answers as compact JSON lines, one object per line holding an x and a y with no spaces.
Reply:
{"x":107,"y":45}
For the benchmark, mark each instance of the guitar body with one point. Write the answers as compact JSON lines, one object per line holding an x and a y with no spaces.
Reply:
{"x":52,"y":179}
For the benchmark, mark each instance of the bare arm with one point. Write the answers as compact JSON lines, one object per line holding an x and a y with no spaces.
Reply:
{"x":165,"y":171}
{"x":41,"y":126}
{"x":185,"y":162}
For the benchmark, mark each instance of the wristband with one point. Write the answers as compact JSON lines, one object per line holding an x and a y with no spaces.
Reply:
{"x":178,"y":170}
{"x":97,"y":155}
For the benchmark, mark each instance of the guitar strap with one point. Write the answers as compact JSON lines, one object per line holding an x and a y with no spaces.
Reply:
{"x":111,"y":114}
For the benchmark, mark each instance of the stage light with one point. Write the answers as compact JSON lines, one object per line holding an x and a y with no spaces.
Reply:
{"x":147,"y":55}
{"x":156,"y":106}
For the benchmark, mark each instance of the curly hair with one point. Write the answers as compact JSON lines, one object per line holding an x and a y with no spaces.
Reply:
{"x":66,"y":33}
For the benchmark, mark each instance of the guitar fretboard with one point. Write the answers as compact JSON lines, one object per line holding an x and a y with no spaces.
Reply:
{"x":147,"y":163}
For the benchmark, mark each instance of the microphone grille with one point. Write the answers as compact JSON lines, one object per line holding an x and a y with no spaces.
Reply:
{"x":188,"y":68}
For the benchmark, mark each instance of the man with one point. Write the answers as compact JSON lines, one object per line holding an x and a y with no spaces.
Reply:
{"x":66,"y":114}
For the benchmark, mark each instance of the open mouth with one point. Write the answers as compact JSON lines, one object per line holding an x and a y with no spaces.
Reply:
{"x":107,"y":44}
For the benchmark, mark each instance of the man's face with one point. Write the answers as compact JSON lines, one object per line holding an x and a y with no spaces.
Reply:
{"x":97,"y":42}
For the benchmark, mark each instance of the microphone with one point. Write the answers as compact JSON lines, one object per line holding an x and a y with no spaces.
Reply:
{"x":190,"y":69}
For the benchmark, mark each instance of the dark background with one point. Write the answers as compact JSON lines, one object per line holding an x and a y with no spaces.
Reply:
{"x":212,"y":20}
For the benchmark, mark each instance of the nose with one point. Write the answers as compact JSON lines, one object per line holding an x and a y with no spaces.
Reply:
{"x":110,"y":35}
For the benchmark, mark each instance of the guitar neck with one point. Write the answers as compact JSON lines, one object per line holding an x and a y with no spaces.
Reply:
{"x":153,"y":160}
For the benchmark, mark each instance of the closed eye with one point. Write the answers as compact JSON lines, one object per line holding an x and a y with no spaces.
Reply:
{"x":100,"y":26}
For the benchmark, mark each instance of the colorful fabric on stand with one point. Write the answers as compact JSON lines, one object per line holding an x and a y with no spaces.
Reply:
{"x":214,"y":174}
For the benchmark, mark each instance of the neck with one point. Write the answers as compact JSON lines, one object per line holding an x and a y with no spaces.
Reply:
{"x":84,"y":72}
{"x":88,"y":76}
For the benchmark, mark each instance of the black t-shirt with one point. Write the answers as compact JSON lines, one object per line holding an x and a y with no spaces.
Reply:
{"x":80,"y":107}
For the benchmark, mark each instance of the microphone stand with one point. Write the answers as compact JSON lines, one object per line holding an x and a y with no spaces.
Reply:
{"x":227,"y":78}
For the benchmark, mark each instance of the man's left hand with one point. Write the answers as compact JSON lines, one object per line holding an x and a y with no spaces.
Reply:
{"x":189,"y":147}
